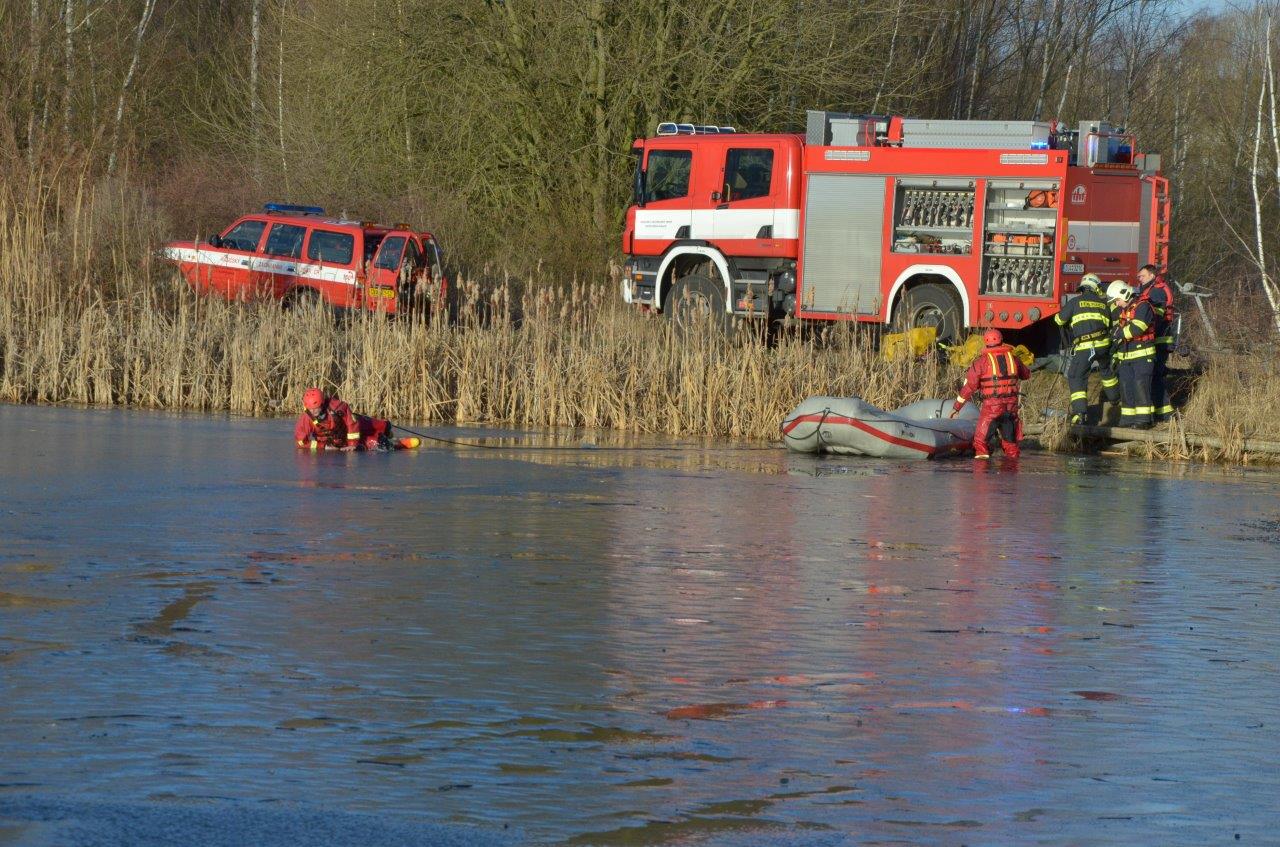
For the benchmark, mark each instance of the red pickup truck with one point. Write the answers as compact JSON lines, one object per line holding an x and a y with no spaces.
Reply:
{"x":298,"y":255}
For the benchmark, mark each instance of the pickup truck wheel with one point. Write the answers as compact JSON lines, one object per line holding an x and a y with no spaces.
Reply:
{"x":936,"y":306}
{"x":301,"y":299}
{"x":695,"y":302}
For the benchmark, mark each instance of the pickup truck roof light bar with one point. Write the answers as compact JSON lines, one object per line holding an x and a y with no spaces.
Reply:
{"x":289,"y":207}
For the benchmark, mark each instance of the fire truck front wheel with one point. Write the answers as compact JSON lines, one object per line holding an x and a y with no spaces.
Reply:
{"x":697,"y":301}
{"x":933,"y":305}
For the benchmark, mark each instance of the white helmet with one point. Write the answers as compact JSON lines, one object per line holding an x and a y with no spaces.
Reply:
{"x":1120,"y":290}
{"x":1091,"y":281}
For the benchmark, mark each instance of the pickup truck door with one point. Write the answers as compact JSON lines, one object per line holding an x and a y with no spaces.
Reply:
{"x":394,"y":272}
{"x":275,"y":271}
{"x":226,"y":267}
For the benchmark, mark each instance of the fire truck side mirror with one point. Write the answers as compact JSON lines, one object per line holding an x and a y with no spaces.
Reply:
{"x":215,"y":241}
{"x":638,"y":188}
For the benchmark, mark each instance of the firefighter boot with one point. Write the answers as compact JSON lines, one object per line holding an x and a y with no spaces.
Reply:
{"x":1078,"y":382}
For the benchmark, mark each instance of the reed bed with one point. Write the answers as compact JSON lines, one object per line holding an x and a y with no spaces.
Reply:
{"x":90,"y":314}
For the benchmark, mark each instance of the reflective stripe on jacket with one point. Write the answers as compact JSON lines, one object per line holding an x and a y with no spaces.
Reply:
{"x":1088,"y":319}
{"x":993,"y":377}
{"x":1137,"y":336}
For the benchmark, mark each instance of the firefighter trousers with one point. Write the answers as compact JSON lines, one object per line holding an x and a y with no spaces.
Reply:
{"x":1004,"y":419}
{"x":1162,"y":407}
{"x":1135,"y":391}
{"x":1078,"y":367}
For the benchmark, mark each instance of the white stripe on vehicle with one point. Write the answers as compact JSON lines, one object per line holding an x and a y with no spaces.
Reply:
{"x":262,"y":264}
{"x":708,"y":224}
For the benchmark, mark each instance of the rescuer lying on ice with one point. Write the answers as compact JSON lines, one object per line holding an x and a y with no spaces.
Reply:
{"x":993,"y":380}
{"x":328,"y":423}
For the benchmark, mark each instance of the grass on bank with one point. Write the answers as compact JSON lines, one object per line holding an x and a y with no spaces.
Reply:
{"x":90,"y":314}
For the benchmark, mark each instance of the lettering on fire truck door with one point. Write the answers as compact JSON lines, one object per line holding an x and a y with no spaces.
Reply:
{"x":843,"y":243}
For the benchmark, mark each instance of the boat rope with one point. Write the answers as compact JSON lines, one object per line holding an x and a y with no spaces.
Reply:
{"x":560,"y":447}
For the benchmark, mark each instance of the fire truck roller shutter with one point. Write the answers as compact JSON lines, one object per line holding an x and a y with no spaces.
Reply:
{"x":843,"y":243}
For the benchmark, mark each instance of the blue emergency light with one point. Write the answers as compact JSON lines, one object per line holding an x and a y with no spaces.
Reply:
{"x":289,"y":207}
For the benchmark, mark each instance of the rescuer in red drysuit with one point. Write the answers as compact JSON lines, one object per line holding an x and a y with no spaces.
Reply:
{"x":993,"y":381}
{"x":328,"y":423}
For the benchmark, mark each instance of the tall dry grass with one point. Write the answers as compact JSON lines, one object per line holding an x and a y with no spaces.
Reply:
{"x":90,"y":314}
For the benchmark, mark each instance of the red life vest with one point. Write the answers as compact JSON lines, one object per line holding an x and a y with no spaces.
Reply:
{"x":332,"y":428}
{"x":1167,"y":312}
{"x":1127,"y":314}
{"x":1000,"y":382}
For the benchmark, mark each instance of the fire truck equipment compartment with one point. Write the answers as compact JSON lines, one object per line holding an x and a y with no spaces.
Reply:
{"x":849,"y":426}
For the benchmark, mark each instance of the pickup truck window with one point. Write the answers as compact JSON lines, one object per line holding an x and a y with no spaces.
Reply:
{"x":244,"y":236}
{"x":326,"y":246}
{"x":389,"y":256}
{"x":412,"y":256}
{"x":285,"y":240}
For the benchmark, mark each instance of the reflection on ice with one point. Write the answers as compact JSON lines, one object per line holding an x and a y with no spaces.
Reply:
{"x":689,"y":640}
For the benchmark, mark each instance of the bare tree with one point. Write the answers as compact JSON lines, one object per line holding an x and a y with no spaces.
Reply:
{"x":144,"y":19}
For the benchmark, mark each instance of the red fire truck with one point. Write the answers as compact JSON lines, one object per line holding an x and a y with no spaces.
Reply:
{"x":298,"y":255}
{"x":887,"y":219}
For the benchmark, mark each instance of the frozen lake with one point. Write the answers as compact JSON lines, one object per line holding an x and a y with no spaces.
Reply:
{"x":626,"y":647}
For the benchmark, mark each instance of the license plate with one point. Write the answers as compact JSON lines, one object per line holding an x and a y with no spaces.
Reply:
{"x":382,"y":291}
{"x":1073,"y":267}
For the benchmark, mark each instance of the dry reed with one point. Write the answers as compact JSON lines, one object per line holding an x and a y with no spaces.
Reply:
{"x":90,"y":314}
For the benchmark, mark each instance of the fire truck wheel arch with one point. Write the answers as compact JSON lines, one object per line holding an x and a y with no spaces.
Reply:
{"x":924,"y":272}
{"x":716,"y":257}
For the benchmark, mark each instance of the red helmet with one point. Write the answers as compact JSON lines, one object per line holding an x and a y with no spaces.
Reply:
{"x":313,"y":397}
{"x":992,"y":338}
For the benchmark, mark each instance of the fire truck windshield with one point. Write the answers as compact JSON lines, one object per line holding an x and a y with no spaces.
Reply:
{"x":667,"y":177}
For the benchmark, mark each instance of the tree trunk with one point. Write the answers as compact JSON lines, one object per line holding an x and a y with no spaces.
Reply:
{"x":68,"y":8}
{"x":600,"y":179}
{"x":888,"y":64}
{"x":1269,"y":84}
{"x":255,"y":115}
{"x":148,"y":7}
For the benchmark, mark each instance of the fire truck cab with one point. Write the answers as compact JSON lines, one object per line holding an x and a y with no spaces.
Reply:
{"x":296,"y":254}
{"x":887,"y":219}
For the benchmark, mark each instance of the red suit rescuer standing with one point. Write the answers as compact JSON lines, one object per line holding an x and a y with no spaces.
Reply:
{"x":329,"y":424}
{"x":993,"y":380}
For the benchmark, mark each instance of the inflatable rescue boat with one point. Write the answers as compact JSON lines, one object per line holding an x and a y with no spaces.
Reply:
{"x":852,"y":427}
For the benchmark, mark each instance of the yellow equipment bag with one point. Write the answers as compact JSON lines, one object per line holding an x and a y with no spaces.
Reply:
{"x":964,"y":354}
{"x":914,"y":343}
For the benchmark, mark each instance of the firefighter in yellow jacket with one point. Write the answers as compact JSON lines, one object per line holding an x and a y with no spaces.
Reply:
{"x":1085,"y":324}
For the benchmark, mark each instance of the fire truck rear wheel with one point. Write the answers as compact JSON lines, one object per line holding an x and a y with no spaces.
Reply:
{"x":697,"y":301}
{"x":936,"y":306}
